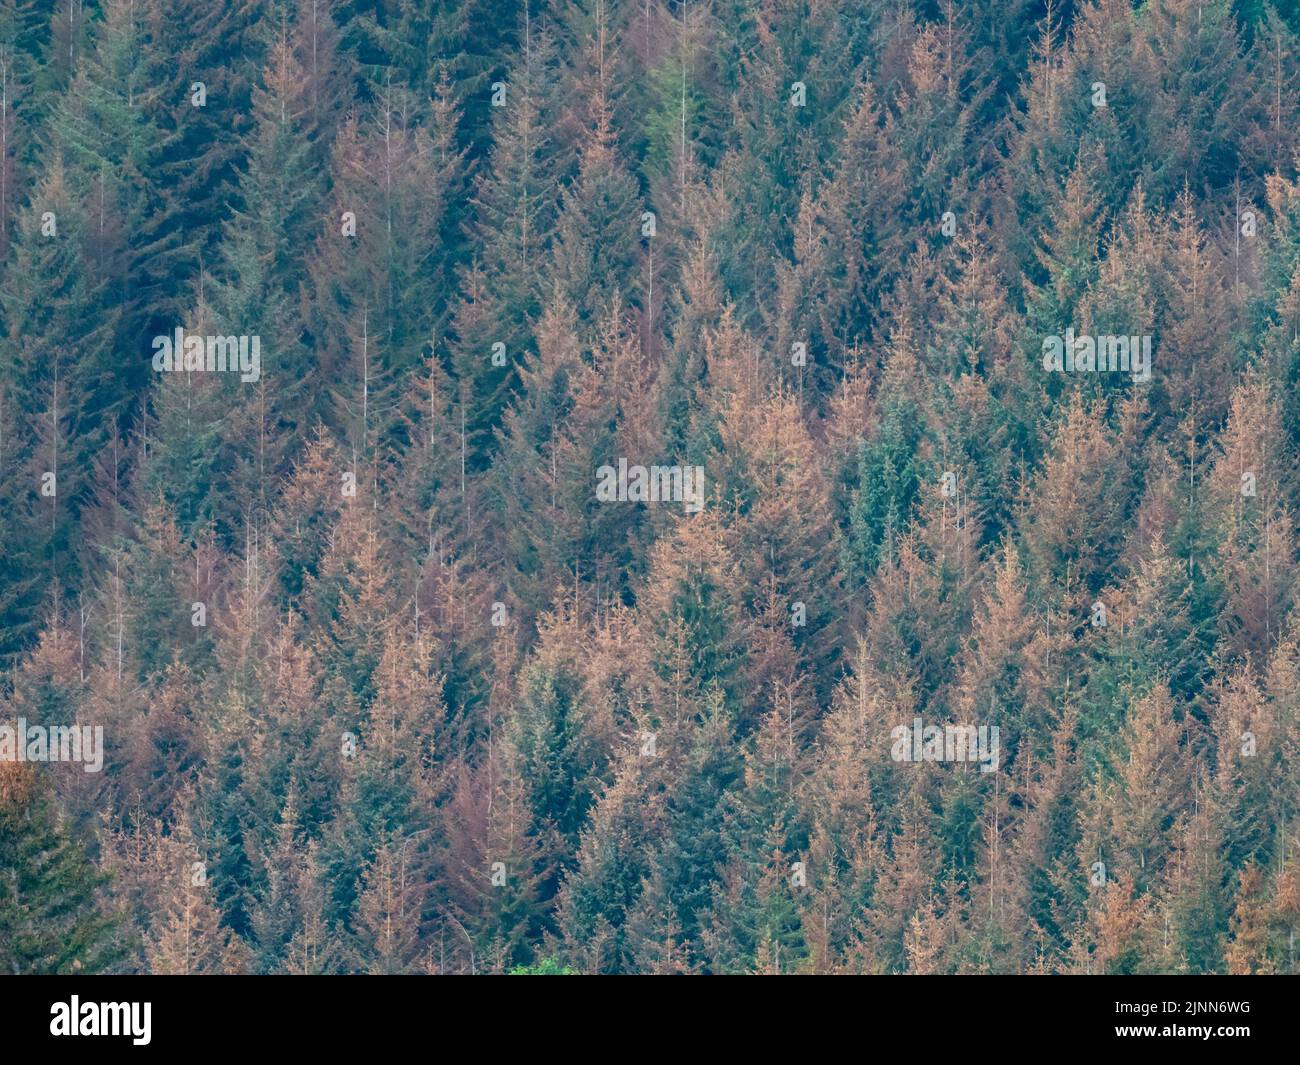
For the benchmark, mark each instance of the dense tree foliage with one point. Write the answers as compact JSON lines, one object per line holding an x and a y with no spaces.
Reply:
{"x":390,"y":680}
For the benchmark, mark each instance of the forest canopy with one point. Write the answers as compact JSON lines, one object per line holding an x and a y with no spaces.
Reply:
{"x":649,"y":486}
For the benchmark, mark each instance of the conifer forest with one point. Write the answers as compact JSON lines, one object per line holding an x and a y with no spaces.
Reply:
{"x":650,"y":486}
